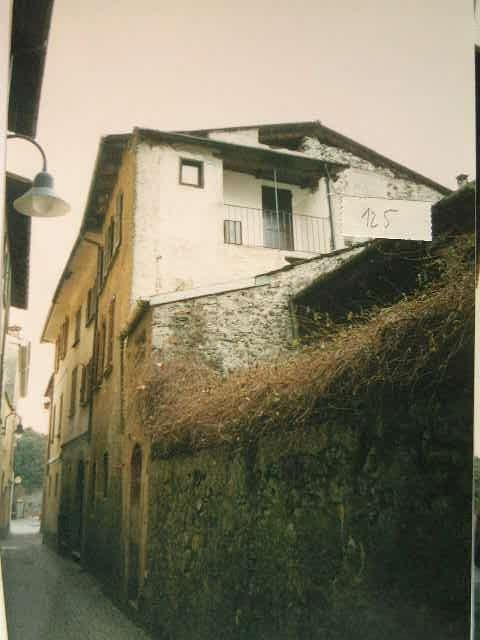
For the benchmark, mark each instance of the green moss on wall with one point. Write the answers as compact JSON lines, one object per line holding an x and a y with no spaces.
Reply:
{"x":357,"y":529}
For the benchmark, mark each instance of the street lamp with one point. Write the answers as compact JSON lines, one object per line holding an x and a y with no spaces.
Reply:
{"x":40,"y":200}
{"x":18,"y":429}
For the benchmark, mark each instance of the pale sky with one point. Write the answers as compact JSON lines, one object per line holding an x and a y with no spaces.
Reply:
{"x":398,"y":77}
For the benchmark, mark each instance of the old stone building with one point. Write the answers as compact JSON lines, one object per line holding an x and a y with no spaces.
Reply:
{"x":192,"y":244}
{"x":70,"y":325}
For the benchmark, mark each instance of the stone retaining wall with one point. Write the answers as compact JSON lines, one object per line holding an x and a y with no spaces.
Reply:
{"x":240,"y":327}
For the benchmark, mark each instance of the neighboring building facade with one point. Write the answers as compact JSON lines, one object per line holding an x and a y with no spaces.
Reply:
{"x":15,"y":386}
{"x":70,"y":326}
{"x":190,"y":243}
{"x":26,"y":26}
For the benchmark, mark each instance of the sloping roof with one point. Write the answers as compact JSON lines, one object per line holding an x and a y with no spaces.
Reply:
{"x":30,"y":30}
{"x":19,"y":229}
{"x":292,"y":166}
{"x":306,"y":127}
{"x":111,"y":148}
{"x":290,"y":134}
{"x":255,"y":159}
{"x":73,"y":266}
{"x":107,"y":164}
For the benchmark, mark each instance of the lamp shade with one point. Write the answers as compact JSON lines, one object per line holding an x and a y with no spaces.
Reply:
{"x":41,"y":200}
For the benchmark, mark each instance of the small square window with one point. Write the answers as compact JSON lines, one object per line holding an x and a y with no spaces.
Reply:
{"x":232,"y":231}
{"x":191,"y":172}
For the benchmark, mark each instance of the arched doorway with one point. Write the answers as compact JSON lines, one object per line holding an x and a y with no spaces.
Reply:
{"x":135,"y":524}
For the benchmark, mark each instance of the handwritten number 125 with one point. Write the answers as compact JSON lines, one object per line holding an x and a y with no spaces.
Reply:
{"x":370,"y":217}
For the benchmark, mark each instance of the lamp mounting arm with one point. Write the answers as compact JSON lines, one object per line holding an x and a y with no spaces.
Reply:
{"x":34,"y":142}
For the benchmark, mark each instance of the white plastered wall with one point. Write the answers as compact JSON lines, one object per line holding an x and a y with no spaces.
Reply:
{"x":179,"y":229}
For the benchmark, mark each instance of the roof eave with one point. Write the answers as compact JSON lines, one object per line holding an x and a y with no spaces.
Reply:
{"x":375,"y":157}
{"x":30,"y":32}
{"x":316,"y":128}
{"x":221,"y":146}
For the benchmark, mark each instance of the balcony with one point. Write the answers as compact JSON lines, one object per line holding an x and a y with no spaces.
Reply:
{"x":276,"y":230}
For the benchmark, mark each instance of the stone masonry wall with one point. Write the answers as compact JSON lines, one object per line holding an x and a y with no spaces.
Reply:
{"x":238,"y":328}
{"x":349,"y":530}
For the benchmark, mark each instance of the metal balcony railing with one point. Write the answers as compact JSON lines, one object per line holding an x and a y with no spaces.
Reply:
{"x":276,"y":230}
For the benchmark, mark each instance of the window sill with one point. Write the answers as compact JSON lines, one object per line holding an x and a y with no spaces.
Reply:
{"x":108,"y":371}
{"x":189,"y":184}
{"x":76,"y":343}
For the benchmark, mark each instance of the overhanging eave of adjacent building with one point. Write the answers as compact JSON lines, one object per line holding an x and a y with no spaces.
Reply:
{"x":19,"y":232}
{"x":30,"y":31}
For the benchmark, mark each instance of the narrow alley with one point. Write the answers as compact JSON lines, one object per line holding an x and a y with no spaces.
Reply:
{"x":51,"y":597}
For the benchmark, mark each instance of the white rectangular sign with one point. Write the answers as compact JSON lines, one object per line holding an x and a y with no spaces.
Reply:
{"x":369,"y":217}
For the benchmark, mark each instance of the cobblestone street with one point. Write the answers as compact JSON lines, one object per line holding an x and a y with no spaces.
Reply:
{"x":49,"y":597}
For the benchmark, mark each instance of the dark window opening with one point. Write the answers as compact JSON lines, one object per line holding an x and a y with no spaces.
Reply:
{"x":232,"y":231}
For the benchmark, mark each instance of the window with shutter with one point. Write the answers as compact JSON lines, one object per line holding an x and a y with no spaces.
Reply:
{"x":65,"y":338}
{"x":52,"y":426}
{"x":83,"y":385}
{"x":57,"y":353}
{"x":106,"y":256}
{"x":111,"y":241}
{"x":78,"y":324}
{"x":100,"y":353}
{"x":111,"y":333}
{"x":100,"y":276}
{"x":60,"y":418}
{"x":89,"y":380}
{"x":88,"y":309}
{"x":91,"y":304}
{"x":117,"y":237}
{"x":73,"y":392}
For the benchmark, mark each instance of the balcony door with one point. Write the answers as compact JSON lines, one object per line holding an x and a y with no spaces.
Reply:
{"x":277,"y":224}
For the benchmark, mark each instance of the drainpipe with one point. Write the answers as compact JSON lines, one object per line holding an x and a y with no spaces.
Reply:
{"x":95,"y":329}
{"x":87,"y":479}
{"x":276,"y":206}
{"x":330,"y":209}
